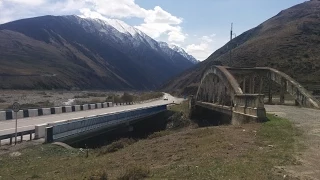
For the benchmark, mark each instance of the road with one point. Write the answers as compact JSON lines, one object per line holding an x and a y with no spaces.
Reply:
{"x":308,"y":120}
{"x":8,"y":127}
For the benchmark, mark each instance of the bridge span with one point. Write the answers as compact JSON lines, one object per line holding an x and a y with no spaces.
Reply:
{"x":79,"y":123}
{"x":240,"y":92}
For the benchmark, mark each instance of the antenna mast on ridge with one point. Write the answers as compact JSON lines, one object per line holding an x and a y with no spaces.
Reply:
{"x":231,"y":34}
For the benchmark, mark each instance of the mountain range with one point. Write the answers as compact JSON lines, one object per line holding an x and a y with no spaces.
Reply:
{"x":66,"y":52}
{"x":289,"y":42}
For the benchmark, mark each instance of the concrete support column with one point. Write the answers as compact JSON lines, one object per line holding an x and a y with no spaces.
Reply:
{"x":269,"y":89}
{"x":215,"y":89}
{"x":244,"y":85}
{"x":261,"y":86}
{"x":282,"y":90}
{"x":252,"y":83}
{"x":191,"y":105}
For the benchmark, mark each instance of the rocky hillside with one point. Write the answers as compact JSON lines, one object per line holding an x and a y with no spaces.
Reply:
{"x":66,"y":52}
{"x":289,"y":41}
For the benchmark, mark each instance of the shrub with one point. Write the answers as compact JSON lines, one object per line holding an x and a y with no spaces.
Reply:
{"x":97,"y":94}
{"x":117,"y":145}
{"x":82,"y":96}
{"x":178,"y":120}
{"x":148,"y":96}
{"x":2,"y":100}
{"x":96,"y":100}
{"x":42,"y":93}
{"x":126,"y":97}
{"x":43,"y":104}
{"x":101,"y":175}
{"x":135,"y":173}
{"x":158,"y":134}
{"x":35,"y":176}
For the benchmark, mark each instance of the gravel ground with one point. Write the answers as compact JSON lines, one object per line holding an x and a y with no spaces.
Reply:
{"x":307,"y":120}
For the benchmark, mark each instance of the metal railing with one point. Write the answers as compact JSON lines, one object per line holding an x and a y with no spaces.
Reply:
{"x":21,"y":134}
{"x":79,"y":126}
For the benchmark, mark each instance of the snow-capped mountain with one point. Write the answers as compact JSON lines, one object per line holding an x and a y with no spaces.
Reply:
{"x":168,"y":49}
{"x":184,"y":53}
{"x":124,"y":33}
{"x":104,"y":53}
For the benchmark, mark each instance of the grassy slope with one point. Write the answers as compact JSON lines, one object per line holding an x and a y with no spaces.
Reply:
{"x":225,"y":152}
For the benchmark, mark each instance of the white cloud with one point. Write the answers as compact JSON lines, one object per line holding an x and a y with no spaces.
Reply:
{"x":206,"y":39}
{"x":158,"y":15}
{"x":176,"y":36}
{"x":199,"y":51}
{"x":31,"y":3}
{"x":205,"y":47}
{"x":159,"y":22}
{"x":117,"y":8}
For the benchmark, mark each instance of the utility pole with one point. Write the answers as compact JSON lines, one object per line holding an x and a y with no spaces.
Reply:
{"x":231,"y":32}
{"x":230,"y":43}
{"x":230,"y":47}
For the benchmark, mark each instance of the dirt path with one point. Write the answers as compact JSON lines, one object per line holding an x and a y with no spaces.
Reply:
{"x":309,"y":121}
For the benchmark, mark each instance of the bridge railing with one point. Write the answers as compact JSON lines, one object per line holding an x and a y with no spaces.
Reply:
{"x":294,"y":88}
{"x":11,"y":136}
{"x":248,"y":107}
{"x":76,"y":127}
{"x":249,"y":100}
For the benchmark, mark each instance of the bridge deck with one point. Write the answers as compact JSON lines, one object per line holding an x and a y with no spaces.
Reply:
{"x":8,"y":127}
{"x":216,"y":107}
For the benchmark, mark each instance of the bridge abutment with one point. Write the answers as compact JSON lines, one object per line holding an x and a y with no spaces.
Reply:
{"x":248,"y":108}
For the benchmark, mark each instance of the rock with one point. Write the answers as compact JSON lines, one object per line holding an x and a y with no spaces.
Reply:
{"x":15,"y":154}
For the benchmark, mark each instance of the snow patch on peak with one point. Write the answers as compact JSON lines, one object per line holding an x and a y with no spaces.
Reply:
{"x":126,"y":34}
{"x":115,"y":23}
{"x":122,"y":26}
{"x":181,"y":51}
{"x":171,"y":47}
{"x":177,"y":48}
{"x":164,"y":44}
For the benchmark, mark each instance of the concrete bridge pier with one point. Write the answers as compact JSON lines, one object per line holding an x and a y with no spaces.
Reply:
{"x":269,"y":89}
{"x":283,"y":89}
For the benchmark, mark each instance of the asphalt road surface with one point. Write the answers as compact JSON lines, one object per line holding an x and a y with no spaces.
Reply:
{"x":8,"y":127}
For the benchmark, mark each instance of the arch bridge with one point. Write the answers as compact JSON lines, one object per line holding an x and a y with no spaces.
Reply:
{"x":240,"y":92}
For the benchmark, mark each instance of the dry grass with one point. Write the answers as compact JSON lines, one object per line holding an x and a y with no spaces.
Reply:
{"x":134,"y":173}
{"x":226,"y":152}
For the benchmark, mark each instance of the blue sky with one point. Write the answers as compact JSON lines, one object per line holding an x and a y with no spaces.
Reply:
{"x":199,"y":26}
